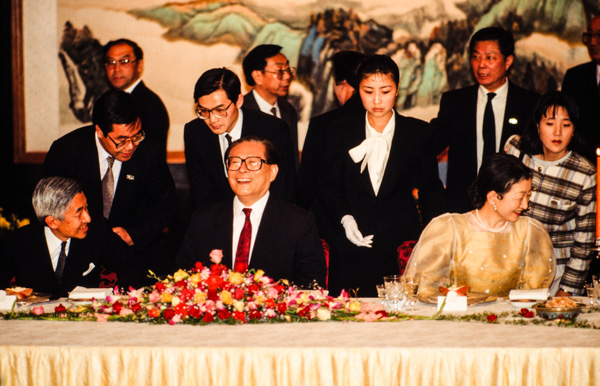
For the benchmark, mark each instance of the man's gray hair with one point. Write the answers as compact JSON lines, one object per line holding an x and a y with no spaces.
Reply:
{"x":52,"y":196}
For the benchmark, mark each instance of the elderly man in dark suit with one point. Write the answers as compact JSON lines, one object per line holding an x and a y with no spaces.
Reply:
{"x":475,"y":121}
{"x":124,"y":62}
{"x":62,"y":250}
{"x":268,"y":71}
{"x":581,"y":84}
{"x":124,"y":178}
{"x":256,"y":230}
{"x":221,"y":120}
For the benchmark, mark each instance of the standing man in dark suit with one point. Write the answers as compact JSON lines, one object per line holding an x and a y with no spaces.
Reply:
{"x":268,"y":71}
{"x":265,"y":232}
{"x":222,"y":120}
{"x":124,"y":178}
{"x":60,"y":251}
{"x":582,"y":84}
{"x":124,"y":62}
{"x":471,"y":126}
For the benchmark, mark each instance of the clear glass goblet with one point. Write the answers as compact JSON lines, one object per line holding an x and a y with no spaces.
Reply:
{"x":411,"y":288}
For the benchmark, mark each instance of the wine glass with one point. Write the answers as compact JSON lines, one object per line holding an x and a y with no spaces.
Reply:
{"x":411,"y":287}
{"x":394,"y":292}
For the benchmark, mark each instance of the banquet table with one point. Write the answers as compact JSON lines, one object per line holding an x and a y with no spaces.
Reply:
{"x":413,"y":352}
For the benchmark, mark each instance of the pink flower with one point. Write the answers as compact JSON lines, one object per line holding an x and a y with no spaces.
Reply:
{"x":216,"y":255}
{"x":101,"y":317}
{"x":38,"y":310}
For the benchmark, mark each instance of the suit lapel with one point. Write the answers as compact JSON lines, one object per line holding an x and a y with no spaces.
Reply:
{"x":356,"y":134}
{"x":269,"y":225}
{"x":394,"y":159}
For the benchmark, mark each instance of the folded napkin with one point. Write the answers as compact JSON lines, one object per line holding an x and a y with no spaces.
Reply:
{"x":89,"y":293}
{"x":6,"y":301}
{"x":533,"y":294}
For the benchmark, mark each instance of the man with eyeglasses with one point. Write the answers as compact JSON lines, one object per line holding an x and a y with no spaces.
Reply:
{"x":221,"y":119}
{"x":256,"y":230}
{"x":269,"y":74}
{"x":124,"y":64}
{"x":124,"y":178}
{"x":582,"y":84}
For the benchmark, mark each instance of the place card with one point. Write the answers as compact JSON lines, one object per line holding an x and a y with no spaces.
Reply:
{"x":7,"y":301}
{"x":453,"y":302}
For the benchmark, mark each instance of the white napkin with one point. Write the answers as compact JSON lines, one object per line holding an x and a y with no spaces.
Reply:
{"x":533,"y":294}
{"x":89,"y":293}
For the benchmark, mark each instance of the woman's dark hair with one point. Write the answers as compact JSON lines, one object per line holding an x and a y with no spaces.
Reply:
{"x":499,"y":172}
{"x":382,"y":64}
{"x":548,"y":103}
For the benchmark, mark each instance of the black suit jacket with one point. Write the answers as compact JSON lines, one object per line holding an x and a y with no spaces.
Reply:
{"x":288,"y":114}
{"x":455,"y":127}
{"x":205,"y":163}
{"x":145,"y":201}
{"x":391,"y":215}
{"x":155,"y":119}
{"x":287,"y":244}
{"x":580,"y":83}
{"x":24,"y":255}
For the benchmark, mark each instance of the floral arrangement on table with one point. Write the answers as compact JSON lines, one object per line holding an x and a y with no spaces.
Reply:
{"x":215,"y":294}
{"x":10,"y":222}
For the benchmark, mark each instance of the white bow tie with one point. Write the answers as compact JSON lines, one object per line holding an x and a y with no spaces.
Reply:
{"x":374,"y":147}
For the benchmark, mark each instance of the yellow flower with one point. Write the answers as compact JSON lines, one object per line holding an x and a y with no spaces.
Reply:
{"x":323,"y":313}
{"x":175,"y":301}
{"x":199,"y":297}
{"x":166,"y":297}
{"x":258,"y":274}
{"x":236,"y":278}
{"x":3,"y":223}
{"x":22,"y":223}
{"x":238,"y":306}
{"x":180,"y":275}
{"x":226,"y":297}
{"x":196,"y":278}
{"x":354,"y":306}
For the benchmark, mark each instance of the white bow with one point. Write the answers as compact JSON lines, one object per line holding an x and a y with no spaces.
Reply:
{"x":374,"y":147}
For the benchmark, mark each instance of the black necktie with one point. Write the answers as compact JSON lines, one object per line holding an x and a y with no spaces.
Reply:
{"x":274,"y":111}
{"x":228,"y":137}
{"x":62,"y":258}
{"x":489,"y":128}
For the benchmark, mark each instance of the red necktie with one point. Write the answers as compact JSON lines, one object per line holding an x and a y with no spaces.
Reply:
{"x":243,"y":248}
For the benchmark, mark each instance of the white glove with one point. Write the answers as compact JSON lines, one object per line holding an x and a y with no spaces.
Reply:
{"x":353,"y":234}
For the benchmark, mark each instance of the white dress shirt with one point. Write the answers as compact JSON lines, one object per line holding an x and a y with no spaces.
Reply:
{"x":239,"y":218}
{"x":265,"y":106}
{"x":499,"y":106}
{"x":102,"y":156}
{"x":132,"y":86}
{"x":374,"y":151}
{"x":236,"y":133}
{"x":54,"y":244}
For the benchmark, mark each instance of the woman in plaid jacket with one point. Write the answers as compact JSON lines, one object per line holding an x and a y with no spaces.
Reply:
{"x":564,"y":187}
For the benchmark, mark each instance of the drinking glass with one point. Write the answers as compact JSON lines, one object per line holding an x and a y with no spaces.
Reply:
{"x":411,"y":287}
{"x":591,"y":293}
{"x":394,"y":292}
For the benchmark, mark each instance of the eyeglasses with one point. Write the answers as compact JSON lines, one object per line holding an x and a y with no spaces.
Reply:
{"x":291,"y":71}
{"x":252,"y":163}
{"x":136,"y":139}
{"x":121,"y":62}
{"x":587,"y":37}
{"x":218,"y":112}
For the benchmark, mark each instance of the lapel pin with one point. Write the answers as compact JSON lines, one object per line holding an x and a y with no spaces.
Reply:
{"x":130,"y":177}
{"x":513,"y":121}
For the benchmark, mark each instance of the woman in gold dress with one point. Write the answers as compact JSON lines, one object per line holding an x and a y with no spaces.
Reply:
{"x":491,"y":249}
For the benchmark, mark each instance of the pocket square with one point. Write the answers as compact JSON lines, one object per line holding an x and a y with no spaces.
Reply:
{"x":130,"y":177}
{"x":90,"y":269}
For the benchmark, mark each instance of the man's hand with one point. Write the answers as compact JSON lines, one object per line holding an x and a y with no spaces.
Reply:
{"x":123,"y":235}
{"x":353,"y":234}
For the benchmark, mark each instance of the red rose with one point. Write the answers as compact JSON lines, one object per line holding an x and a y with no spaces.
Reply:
{"x":194,"y":312}
{"x":280,"y":288}
{"x":117,"y":307}
{"x":160,"y":286}
{"x":208,"y":317}
{"x":199,"y":266}
{"x":281,"y":308}
{"x":217,"y":269}
{"x":252,"y":289}
{"x":255,"y":315}
{"x":181,"y":310}
{"x":240,"y":267}
{"x":239,"y":316}
{"x":492,"y":318}
{"x":270,"y":303}
{"x":224,"y":314}
{"x":181,"y":284}
{"x":214,"y":281}
{"x":60,"y":308}
{"x":154,"y":313}
{"x":136,"y":307}
{"x":168,"y":313}
{"x":238,"y":294}
{"x":212,"y":295}
{"x":304,"y":311}
{"x":186,"y":294}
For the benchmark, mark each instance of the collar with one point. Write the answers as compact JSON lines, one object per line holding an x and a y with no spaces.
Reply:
{"x":54,"y":242}
{"x":236,"y":131}
{"x":387,"y":130}
{"x":257,"y":208}
{"x":263,"y":105}
{"x":133,"y":86}
{"x":501,"y":92}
